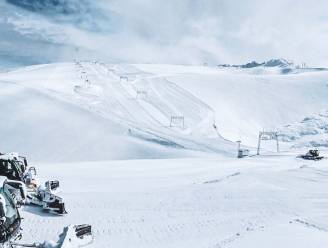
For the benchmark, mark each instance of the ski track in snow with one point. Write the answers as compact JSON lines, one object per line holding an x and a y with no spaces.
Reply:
{"x":211,"y":202}
{"x":214,"y":102}
{"x":106,"y":95}
{"x":156,"y":203}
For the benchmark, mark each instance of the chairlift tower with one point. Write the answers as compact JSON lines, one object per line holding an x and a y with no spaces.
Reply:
{"x":266,"y":136}
{"x":141,"y":94}
{"x":124,"y":78}
{"x":177,"y":121}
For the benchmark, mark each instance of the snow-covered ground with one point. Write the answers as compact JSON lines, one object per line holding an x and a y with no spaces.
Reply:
{"x":83,"y":118}
{"x":272,"y":201}
{"x":245,"y":102}
{"x":146,"y":153}
{"x":152,"y":111}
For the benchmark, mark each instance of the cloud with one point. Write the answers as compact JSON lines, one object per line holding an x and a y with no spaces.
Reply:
{"x":189,"y":31}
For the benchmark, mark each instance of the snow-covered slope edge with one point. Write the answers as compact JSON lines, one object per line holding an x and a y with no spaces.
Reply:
{"x":117,"y":111}
{"x":50,"y":130}
{"x":93,"y":111}
{"x":246,"y":103}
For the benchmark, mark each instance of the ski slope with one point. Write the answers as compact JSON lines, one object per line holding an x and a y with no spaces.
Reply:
{"x":270,"y":201}
{"x":101,"y":92}
{"x":106,"y":132}
{"x":50,"y":130}
{"x":246,"y":101}
{"x":153,"y":111}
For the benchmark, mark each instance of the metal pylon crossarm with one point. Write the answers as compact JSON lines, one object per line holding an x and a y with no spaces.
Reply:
{"x":266,"y":136}
{"x":177,"y":121}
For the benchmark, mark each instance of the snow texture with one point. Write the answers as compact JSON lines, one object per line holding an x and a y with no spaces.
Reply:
{"x":166,"y":135}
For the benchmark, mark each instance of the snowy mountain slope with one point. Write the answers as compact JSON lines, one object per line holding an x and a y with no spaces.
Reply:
{"x":172,"y":107}
{"x":312,"y":131}
{"x":100,"y":90}
{"x":96,"y":111}
{"x":37,"y":124}
{"x":273,"y":201}
{"x":245,"y":103}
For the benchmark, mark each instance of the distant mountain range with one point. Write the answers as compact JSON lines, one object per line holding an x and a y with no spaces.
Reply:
{"x":282,"y":63}
{"x":283,"y":66}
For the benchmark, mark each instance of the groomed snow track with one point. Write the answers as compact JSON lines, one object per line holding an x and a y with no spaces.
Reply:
{"x":142,"y":105}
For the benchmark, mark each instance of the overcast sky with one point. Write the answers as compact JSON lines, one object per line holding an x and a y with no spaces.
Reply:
{"x":232,"y":31}
{"x":197,"y":31}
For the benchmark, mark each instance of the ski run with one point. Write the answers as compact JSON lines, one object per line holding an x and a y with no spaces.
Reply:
{"x":147,"y":154}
